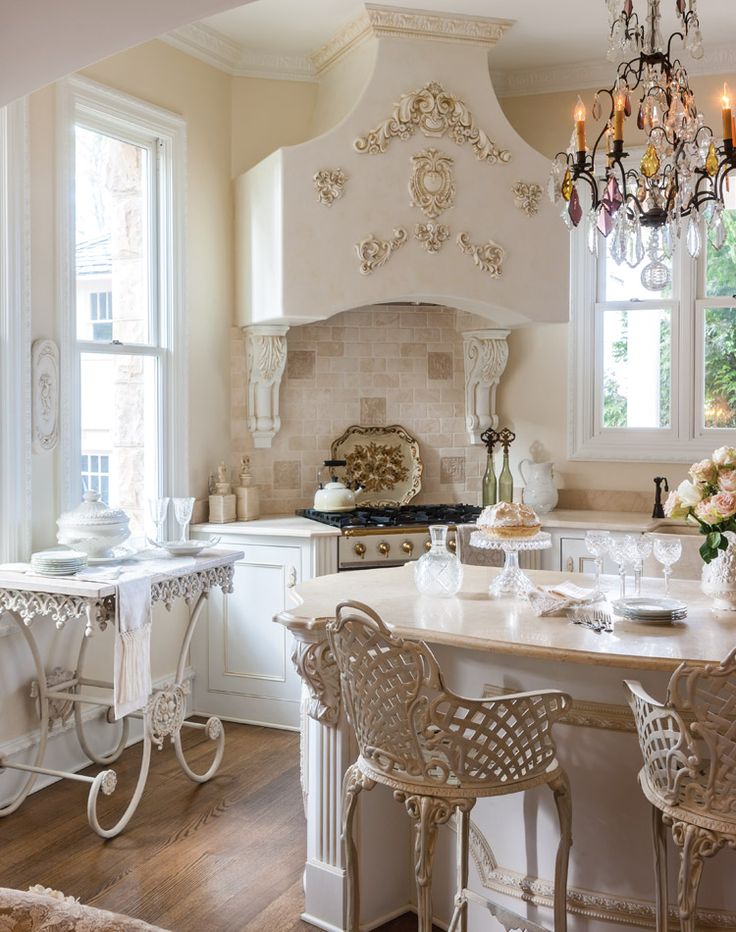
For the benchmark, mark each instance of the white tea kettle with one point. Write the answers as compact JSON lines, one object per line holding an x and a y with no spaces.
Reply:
{"x":334,"y":495}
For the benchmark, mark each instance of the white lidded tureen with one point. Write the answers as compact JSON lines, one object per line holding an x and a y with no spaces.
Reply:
{"x":93,"y":527}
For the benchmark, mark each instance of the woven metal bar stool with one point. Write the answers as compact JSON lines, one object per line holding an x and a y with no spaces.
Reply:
{"x":438,"y":752}
{"x":689,"y":775}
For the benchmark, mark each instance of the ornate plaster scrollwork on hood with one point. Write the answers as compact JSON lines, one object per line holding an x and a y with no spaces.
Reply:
{"x":431,"y":185}
{"x":435,"y":112}
{"x":432,"y":235}
{"x":488,"y":257}
{"x":374,"y":252}
{"x":527,"y":197}
{"x":485,"y":354}
{"x":329,"y":183}
{"x":265,"y":362}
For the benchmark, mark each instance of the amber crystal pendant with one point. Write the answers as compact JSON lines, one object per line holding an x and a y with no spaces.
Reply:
{"x":650,"y":162}
{"x":567,"y":188}
{"x":711,"y":161}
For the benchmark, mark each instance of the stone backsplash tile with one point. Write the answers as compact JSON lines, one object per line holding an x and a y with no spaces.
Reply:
{"x":374,"y":366}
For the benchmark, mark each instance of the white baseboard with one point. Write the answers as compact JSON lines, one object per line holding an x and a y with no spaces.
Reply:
{"x":63,"y":751}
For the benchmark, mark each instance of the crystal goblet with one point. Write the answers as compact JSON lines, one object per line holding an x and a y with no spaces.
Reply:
{"x":158,"y":509}
{"x":619,"y":553}
{"x":598,"y":543}
{"x":183,"y":508}
{"x":638,"y":548}
{"x":667,"y":551}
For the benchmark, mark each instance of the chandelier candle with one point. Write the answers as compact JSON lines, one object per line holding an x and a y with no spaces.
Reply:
{"x":580,"y":125}
{"x":727,"y":118}
{"x":618,"y":117}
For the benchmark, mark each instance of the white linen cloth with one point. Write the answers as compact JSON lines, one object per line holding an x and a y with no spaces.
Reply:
{"x":557,"y":599}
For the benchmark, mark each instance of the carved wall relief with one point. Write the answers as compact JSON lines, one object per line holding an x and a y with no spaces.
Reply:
{"x":431,"y":186}
{"x":374,"y":252}
{"x":265,"y":362}
{"x":329,"y":183}
{"x":527,"y":197}
{"x":45,"y":357}
{"x":436,"y":113}
{"x":485,"y":354}
{"x":488,"y":257}
{"x":432,"y":235}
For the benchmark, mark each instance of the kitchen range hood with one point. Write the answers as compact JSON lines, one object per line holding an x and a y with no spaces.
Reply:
{"x":421,"y":193}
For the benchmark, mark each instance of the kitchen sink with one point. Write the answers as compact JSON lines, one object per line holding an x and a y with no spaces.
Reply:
{"x":679,"y":530}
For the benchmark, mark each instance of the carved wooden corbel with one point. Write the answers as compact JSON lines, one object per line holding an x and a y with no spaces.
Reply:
{"x":485,"y":353}
{"x":265,"y":348}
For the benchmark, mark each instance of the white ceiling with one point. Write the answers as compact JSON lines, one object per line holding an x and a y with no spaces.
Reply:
{"x":546,"y":33}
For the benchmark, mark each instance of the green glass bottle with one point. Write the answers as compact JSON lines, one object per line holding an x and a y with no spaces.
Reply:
{"x":506,"y":481}
{"x":489,"y":482}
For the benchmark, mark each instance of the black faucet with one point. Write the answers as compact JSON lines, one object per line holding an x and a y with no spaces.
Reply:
{"x":658,"y":510}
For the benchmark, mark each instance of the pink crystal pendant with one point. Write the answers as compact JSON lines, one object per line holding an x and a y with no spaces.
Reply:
{"x":574,"y":208}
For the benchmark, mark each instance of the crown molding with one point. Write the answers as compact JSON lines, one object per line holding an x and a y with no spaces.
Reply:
{"x":598,"y":73}
{"x":275,"y":65}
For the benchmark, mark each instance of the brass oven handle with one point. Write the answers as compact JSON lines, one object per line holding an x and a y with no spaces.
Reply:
{"x":452,"y":545}
{"x":408,"y":547}
{"x":427,"y":544}
{"x":383,"y":548}
{"x":359,"y":549}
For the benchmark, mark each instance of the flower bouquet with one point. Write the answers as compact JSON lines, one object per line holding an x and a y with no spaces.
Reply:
{"x":708,"y":498}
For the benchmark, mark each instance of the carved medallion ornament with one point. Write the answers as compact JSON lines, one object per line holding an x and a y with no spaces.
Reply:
{"x":432,"y":235}
{"x":374,"y":252}
{"x":527,"y":197}
{"x":45,"y":355}
{"x":436,"y":113}
{"x":431,"y":186}
{"x":488,"y":257}
{"x":329,"y":183}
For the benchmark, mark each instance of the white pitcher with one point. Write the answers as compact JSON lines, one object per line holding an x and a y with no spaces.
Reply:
{"x":539,"y":485}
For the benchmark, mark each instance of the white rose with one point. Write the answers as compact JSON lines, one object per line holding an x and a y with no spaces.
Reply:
{"x":724,"y":456}
{"x":689,"y":494}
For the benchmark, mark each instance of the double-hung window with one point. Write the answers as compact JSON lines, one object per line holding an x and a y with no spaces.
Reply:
{"x":653,"y":370}
{"x":122,"y":189}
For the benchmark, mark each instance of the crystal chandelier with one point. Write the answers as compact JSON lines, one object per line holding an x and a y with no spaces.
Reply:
{"x":681,"y":178}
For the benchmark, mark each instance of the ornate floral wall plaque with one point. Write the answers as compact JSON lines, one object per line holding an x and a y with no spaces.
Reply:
{"x":527,"y":196}
{"x":45,"y":375}
{"x":488,"y":257}
{"x":384,"y":460}
{"x":431,"y":235}
{"x":431,"y":186}
{"x":374,"y":252}
{"x":329,"y":183}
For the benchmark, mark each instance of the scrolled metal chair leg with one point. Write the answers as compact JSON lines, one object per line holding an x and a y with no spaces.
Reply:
{"x":659,"y":845}
{"x":427,"y":813}
{"x":560,"y":787}
{"x":695,"y":844}
{"x":459,"y":921}
{"x":353,"y":783}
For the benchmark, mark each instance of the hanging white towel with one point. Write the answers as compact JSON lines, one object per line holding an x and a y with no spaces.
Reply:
{"x":132,"y":660}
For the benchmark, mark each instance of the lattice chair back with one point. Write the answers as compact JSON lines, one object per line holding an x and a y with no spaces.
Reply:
{"x":413,"y":729}
{"x":706,"y":698}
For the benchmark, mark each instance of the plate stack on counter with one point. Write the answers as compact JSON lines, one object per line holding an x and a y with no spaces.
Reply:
{"x":655,"y":611}
{"x":58,"y":562}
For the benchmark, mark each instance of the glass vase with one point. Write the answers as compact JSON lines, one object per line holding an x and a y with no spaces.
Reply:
{"x":438,"y":573}
{"x":506,"y":481}
{"x":489,"y":483}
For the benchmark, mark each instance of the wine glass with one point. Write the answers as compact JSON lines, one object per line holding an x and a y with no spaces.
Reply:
{"x":183,"y":508}
{"x":638,"y":549}
{"x":598,"y":543}
{"x":667,"y":551}
{"x":618,"y":551}
{"x":158,"y":509}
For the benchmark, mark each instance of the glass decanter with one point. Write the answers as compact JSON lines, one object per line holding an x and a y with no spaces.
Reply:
{"x":439,"y":572}
{"x":489,"y":482}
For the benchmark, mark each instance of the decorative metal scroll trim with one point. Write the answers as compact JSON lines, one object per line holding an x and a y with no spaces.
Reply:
{"x":432,"y":235}
{"x":527,"y":197}
{"x":315,"y":664}
{"x":436,"y":113}
{"x":192,"y":585}
{"x":374,"y":252}
{"x":59,"y":607}
{"x":329,"y":183}
{"x":431,"y":184}
{"x":586,"y":713}
{"x":488,"y":257}
{"x":591,"y":904}
{"x":165,"y":712}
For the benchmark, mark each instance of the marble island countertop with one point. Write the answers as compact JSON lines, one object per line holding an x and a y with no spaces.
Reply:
{"x":472,"y":620}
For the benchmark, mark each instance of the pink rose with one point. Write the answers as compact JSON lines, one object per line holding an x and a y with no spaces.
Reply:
{"x":717,"y":508}
{"x":727,"y":480}
{"x":704,"y":472}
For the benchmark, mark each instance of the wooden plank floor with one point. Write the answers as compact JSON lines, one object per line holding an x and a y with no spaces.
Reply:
{"x":226,"y":856}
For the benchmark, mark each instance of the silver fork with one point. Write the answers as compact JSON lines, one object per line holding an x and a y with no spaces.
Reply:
{"x":596,"y":619}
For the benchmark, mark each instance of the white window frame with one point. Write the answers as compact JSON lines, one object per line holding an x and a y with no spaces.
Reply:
{"x":97,"y":106}
{"x":15,"y":335}
{"x":686,"y":439}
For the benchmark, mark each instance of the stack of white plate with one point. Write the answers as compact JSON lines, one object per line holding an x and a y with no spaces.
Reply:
{"x":654,"y":610}
{"x":58,"y":562}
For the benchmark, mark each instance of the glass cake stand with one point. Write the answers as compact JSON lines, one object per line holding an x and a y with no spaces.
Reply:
{"x":511,"y":581}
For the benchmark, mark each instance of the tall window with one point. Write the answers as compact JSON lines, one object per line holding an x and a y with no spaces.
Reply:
{"x":654,"y":370}
{"x":124,"y":299}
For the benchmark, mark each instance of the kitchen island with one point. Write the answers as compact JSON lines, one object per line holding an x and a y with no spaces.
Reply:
{"x":487,"y":648}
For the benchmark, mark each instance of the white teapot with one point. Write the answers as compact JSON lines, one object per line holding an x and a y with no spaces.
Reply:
{"x":334,"y":495}
{"x":539,"y":485}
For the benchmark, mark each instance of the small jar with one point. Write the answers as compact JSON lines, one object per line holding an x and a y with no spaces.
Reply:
{"x":439,"y":572}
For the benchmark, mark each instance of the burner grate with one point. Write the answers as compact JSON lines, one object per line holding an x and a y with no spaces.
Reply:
{"x":402,"y":516}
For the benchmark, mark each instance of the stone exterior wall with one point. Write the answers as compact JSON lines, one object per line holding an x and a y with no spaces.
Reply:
{"x":371,"y":366}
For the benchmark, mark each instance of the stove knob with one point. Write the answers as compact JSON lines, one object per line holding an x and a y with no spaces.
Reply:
{"x":427,"y":544}
{"x":452,"y":545}
{"x":383,"y":548}
{"x":408,"y":547}
{"x":359,"y":549}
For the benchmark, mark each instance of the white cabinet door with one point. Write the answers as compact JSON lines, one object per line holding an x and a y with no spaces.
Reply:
{"x":575,"y":556}
{"x":247,"y":658}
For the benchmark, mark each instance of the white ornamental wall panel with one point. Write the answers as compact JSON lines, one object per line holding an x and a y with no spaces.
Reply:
{"x":45,"y":374}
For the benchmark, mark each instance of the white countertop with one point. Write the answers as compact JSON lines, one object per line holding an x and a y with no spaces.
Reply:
{"x":270,"y":526}
{"x":508,"y":626}
{"x":631,"y":521}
